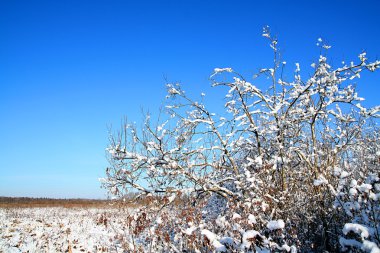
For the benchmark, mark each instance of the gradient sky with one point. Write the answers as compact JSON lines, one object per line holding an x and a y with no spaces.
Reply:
{"x":71,"y":69}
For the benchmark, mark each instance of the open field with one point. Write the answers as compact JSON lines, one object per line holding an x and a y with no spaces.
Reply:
{"x":57,"y":229}
{"x":8,"y":202}
{"x":42,"y":225}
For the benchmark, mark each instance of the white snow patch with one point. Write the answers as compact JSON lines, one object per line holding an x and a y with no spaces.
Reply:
{"x":190,"y":230}
{"x":213,"y":239}
{"x":365,"y":187}
{"x":251,"y":219}
{"x":370,"y":247}
{"x":348,"y":243}
{"x":320,"y":181}
{"x":356,"y":228}
{"x":247,"y":238}
{"x":275,"y":224}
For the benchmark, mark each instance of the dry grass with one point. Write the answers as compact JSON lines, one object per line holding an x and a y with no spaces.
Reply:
{"x":9,"y":202}
{"x":130,"y":202}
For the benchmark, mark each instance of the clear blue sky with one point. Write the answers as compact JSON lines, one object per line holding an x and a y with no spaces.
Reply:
{"x":70,"y":69}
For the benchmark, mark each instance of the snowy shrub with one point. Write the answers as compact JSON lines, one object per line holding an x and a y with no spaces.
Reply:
{"x":359,"y":202}
{"x":262,"y":173}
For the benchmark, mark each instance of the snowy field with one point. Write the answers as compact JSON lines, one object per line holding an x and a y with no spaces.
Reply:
{"x":58,"y":229}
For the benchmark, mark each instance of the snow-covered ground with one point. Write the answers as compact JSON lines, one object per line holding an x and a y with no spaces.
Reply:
{"x":61,"y":230}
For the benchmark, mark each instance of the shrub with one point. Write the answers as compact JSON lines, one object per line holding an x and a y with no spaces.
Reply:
{"x":261,"y":175}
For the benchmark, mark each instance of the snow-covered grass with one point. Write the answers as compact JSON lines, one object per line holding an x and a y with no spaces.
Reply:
{"x":58,"y":229}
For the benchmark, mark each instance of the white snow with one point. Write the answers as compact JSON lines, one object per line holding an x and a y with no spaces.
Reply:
{"x":190,"y":230}
{"x":219,"y":70}
{"x":370,"y":247}
{"x":214,"y":241}
{"x":60,"y":229}
{"x":248,"y":236}
{"x":173,"y":91}
{"x":353,"y":191}
{"x":356,"y":228}
{"x":276,"y":224}
{"x":251,"y":219}
{"x":320,"y":181}
{"x":348,"y":243}
{"x":298,"y":69}
{"x":344,"y":174}
{"x":259,"y":161}
{"x":365,"y":187}
{"x":172,"y":197}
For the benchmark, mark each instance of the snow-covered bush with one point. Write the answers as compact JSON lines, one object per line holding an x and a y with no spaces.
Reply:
{"x":358,"y":198}
{"x":260,"y":174}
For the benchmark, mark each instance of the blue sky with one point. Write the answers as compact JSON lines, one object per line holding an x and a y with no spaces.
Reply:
{"x":71,"y":69}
